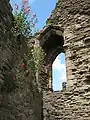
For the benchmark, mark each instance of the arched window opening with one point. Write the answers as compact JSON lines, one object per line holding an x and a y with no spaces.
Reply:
{"x":52,"y":41}
{"x":59,"y":73}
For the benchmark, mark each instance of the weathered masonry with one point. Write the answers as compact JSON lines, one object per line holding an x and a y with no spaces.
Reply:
{"x":24,"y":103}
{"x":52,"y":41}
{"x":72,"y":17}
{"x":68,"y":31}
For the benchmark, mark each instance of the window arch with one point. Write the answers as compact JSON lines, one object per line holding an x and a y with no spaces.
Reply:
{"x":52,"y":41}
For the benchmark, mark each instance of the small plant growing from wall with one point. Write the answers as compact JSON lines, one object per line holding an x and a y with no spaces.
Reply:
{"x":32,"y":61}
{"x":24,"y":22}
{"x":38,"y":58}
{"x":31,"y":64}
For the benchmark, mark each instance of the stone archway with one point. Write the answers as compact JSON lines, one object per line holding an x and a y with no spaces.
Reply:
{"x":52,"y":41}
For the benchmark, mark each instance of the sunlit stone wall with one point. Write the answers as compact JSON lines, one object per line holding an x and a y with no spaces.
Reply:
{"x":74,"y":102}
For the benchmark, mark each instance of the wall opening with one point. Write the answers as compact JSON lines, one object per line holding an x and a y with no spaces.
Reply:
{"x":59,"y":72}
{"x":52,"y":41}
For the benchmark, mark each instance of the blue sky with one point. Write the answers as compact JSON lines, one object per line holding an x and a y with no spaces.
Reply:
{"x":43,"y":9}
{"x":59,"y":72}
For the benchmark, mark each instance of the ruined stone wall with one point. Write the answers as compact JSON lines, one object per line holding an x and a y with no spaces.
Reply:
{"x":51,"y":40}
{"x":67,"y":105}
{"x":73,"y":103}
{"x":23,"y":103}
{"x":74,"y":17}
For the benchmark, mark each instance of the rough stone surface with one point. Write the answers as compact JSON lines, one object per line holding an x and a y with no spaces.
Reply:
{"x":67,"y":105}
{"x":68,"y":31}
{"x":73,"y":16}
{"x":25,"y":102}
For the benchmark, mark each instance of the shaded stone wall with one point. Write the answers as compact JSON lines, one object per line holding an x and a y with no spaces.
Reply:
{"x":24,"y":103}
{"x":5,"y":25}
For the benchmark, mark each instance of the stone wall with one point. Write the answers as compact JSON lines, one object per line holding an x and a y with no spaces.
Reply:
{"x":73,"y":103}
{"x":67,"y":105}
{"x":23,"y":103}
{"x":74,"y":18}
{"x":68,"y":30}
{"x":51,"y":40}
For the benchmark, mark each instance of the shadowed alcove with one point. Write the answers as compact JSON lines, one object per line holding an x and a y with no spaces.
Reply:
{"x":51,"y":40}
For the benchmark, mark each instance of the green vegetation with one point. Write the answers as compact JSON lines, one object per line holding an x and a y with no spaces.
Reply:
{"x":21,"y":25}
{"x":32,"y":61}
